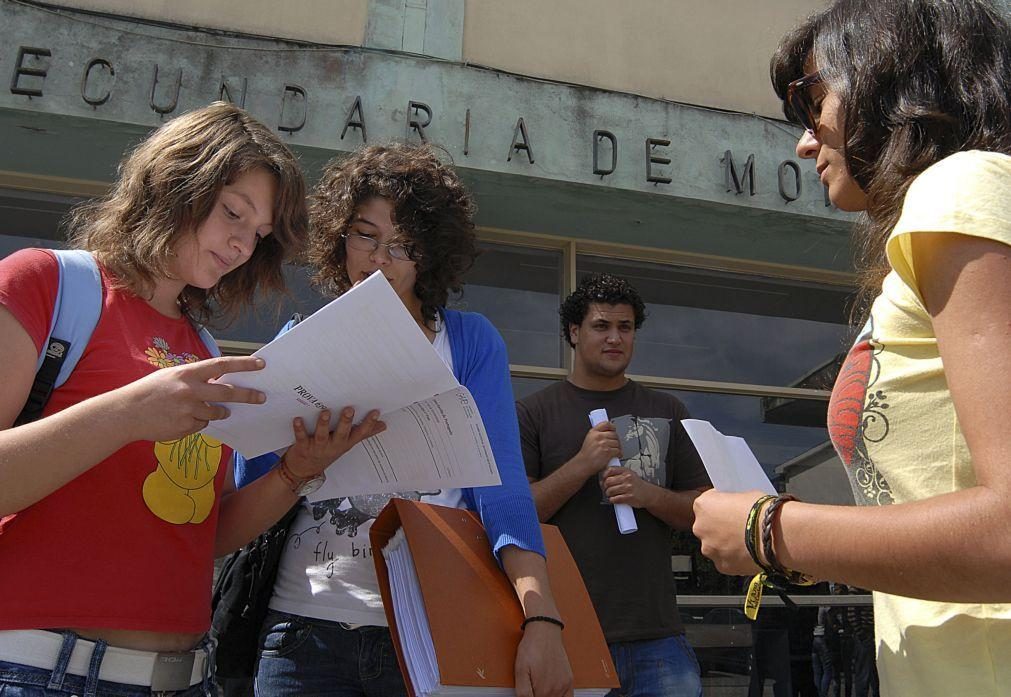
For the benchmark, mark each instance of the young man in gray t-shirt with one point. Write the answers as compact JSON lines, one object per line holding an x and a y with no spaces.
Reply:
{"x":629,"y":577}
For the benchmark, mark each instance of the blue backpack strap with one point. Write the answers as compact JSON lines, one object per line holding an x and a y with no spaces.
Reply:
{"x":75,"y":315}
{"x":209,"y":342}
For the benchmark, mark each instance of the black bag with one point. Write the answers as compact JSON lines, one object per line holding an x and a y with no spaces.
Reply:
{"x":242,"y":593}
{"x":241,"y":596}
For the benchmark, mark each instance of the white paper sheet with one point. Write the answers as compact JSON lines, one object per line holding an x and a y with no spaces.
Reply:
{"x":731,"y":465}
{"x":436,"y":443}
{"x":363,"y":350}
{"x":366,"y":351}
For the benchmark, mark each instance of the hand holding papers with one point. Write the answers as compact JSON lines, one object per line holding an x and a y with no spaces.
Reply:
{"x":364,"y":350}
{"x":731,"y":465}
{"x":622,"y":511}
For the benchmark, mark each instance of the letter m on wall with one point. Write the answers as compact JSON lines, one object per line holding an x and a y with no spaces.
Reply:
{"x":734,"y":181}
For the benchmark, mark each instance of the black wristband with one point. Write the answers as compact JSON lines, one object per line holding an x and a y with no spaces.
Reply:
{"x":542,"y":618}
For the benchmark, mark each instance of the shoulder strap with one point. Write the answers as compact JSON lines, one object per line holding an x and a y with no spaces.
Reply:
{"x":75,"y":314}
{"x":209,"y":342}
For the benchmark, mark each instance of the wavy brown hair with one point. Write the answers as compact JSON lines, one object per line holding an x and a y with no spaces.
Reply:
{"x":168,"y":185}
{"x":431,"y":209}
{"x":919,"y":80}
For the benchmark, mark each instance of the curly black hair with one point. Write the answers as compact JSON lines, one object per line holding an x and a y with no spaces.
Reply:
{"x":431,"y":208}
{"x":599,"y":288}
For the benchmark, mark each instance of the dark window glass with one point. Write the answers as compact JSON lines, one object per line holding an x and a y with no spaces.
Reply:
{"x":32,"y":219}
{"x":519,"y":290}
{"x":12,"y":243}
{"x":523,"y":387}
{"x":261,"y":322}
{"x":711,"y":325}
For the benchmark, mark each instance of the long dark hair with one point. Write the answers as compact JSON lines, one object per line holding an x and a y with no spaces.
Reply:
{"x":919,"y":80}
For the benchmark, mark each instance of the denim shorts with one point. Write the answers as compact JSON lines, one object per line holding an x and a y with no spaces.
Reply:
{"x":18,"y":680}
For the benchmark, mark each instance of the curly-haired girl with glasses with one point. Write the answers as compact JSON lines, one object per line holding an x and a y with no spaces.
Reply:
{"x":399,"y":209}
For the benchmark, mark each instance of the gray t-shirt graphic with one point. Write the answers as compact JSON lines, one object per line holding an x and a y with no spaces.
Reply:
{"x":629,"y":577}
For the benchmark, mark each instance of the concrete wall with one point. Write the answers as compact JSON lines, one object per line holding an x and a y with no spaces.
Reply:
{"x":527,"y":144}
{"x":323,"y":21}
{"x":713,"y":53}
{"x":708,"y":52}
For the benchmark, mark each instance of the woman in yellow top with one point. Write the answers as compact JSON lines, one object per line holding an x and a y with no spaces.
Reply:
{"x":905,"y":106}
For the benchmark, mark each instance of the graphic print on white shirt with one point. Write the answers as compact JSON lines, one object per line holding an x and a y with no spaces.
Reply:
{"x":327,"y":571}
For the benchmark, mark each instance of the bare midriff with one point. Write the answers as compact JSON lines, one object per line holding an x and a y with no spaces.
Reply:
{"x":141,"y":641}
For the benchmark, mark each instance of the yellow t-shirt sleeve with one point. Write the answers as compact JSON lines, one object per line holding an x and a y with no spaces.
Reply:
{"x":968,"y":193}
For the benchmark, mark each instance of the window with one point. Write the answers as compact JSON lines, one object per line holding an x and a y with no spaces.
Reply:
{"x":518,"y":289}
{"x":715,"y":325}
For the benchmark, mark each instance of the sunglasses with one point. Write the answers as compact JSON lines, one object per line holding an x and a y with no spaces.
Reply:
{"x":798,"y":100}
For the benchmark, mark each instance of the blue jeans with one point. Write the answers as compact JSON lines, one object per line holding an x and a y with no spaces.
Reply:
{"x":656,"y":668}
{"x":823,"y":665}
{"x":18,"y":680}
{"x":865,"y":673}
{"x":307,"y":656}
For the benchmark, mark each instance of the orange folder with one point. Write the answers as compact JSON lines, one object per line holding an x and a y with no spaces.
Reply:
{"x":472,"y":609}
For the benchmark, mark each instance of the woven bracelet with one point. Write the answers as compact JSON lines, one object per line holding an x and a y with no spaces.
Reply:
{"x":794,"y":577}
{"x":767,"y":522}
{"x":751,"y":529}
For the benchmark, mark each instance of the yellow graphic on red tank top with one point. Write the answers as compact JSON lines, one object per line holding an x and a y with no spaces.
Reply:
{"x":181,"y":489}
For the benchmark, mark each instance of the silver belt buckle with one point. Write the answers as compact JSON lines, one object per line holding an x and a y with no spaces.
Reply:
{"x":172,"y":671}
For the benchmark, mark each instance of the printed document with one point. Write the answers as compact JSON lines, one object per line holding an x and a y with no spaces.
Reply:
{"x":731,"y":465}
{"x":364,"y":350}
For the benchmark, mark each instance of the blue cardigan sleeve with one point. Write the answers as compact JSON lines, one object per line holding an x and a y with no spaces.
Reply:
{"x":481,"y":364}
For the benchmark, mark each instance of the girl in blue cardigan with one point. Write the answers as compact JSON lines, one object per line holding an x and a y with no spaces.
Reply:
{"x":400,"y":210}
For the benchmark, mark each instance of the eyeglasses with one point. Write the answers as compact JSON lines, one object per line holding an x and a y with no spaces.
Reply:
{"x":362,"y":243}
{"x":798,"y":99}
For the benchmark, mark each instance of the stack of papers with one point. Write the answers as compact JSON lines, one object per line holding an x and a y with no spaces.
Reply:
{"x":364,"y":350}
{"x":416,"y":635}
{"x":412,"y":618}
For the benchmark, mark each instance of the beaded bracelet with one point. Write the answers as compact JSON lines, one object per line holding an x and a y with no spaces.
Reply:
{"x":542,"y":618}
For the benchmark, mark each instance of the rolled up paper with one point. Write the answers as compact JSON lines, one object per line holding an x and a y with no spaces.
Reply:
{"x":623,"y":513}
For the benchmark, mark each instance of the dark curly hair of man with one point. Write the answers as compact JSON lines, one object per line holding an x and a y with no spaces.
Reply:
{"x":431,"y":209}
{"x":599,"y":288}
